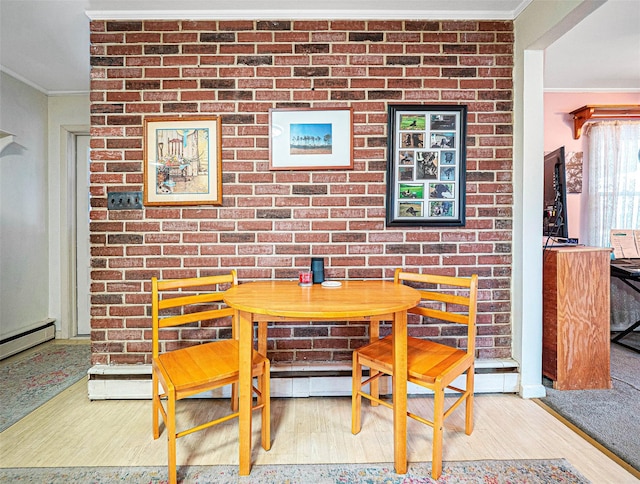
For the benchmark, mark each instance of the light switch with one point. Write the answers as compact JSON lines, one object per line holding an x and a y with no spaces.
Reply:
{"x":124,"y":200}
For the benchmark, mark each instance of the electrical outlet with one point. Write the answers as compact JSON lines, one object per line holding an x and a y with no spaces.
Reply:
{"x":124,"y":200}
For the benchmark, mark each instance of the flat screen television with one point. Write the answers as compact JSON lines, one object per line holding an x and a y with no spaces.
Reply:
{"x":555,"y":195}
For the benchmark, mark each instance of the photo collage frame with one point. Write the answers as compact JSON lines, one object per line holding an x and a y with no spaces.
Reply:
{"x":426,"y":165}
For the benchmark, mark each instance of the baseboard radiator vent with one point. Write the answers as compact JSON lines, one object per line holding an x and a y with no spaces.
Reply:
{"x":44,"y":331}
{"x":122,"y":382}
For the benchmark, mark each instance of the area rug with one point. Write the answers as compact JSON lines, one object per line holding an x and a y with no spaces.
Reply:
{"x":28,"y":382}
{"x":610,"y":417}
{"x":493,"y":472}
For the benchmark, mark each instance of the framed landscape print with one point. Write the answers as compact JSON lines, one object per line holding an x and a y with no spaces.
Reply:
{"x":426,"y":165}
{"x":182,"y":160}
{"x":310,"y":139}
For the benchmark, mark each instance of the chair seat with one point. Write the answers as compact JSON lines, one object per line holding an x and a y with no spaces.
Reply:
{"x":426,"y":360}
{"x":204,"y":364}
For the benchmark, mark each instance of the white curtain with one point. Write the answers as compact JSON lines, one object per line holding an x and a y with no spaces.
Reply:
{"x":614,"y":201}
{"x":614,"y":179}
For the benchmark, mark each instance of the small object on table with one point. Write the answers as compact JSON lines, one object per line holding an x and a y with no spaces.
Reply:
{"x":305,"y":278}
{"x":331,"y":284}
{"x":317,"y":267}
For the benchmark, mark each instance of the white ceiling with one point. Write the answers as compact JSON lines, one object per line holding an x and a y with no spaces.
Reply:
{"x":45,"y":43}
{"x":600,"y":53}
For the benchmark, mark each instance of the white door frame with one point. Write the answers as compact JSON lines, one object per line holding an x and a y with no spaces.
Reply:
{"x":82,"y":260}
{"x":536,"y":29}
{"x":67,"y":229}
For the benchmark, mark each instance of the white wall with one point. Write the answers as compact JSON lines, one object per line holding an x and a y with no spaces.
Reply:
{"x":24,"y":253}
{"x":35,"y":200}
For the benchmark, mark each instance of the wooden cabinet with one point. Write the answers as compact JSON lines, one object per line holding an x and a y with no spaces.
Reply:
{"x":575,"y":318}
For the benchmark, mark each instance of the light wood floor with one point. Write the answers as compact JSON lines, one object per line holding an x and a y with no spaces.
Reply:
{"x":72,"y":431}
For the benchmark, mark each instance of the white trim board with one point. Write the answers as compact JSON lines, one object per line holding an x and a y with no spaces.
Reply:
{"x":198,"y":10}
{"x":126,"y":382}
{"x":45,"y":331}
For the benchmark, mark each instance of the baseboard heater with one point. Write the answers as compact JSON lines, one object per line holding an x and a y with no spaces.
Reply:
{"x":27,"y":339}
{"x":122,"y":382}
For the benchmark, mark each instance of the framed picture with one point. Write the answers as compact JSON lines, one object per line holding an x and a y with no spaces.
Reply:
{"x":183,"y":160}
{"x":311,"y":139}
{"x":426,"y":165}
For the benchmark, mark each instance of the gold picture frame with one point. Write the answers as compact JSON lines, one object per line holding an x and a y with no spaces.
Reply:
{"x":182,"y":160}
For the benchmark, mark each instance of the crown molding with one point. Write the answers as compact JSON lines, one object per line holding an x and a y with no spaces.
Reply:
{"x":273,"y":14}
{"x":24,"y":80}
{"x":577,"y":90}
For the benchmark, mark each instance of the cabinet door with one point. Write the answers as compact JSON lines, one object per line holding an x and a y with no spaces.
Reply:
{"x":584,"y":309}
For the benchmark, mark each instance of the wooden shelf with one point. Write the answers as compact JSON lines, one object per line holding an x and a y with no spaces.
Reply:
{"x":601,"y":111}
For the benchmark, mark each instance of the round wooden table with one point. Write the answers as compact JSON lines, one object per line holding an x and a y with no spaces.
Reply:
{"x":367,"y":300}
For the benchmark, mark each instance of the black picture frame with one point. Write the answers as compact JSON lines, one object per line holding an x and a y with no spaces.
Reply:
{"x":426,"y":165}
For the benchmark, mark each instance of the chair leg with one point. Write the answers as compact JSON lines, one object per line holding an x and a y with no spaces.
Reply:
{"x":356,"y":398}
{"x":438,"y":424}
{"x":155,"y":403}
{"x":262,"y":337}
{"x":265,"y":389}
{"x":468,"y":426}
{"x":374,"y":386}
{"x":171,"y":430}
{"x":234,"y":397}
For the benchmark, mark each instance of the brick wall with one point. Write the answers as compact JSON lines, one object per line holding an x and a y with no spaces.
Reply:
{"x":271,"y":223}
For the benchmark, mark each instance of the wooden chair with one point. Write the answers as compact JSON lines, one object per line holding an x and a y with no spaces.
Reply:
{"x":182,"y":371}
{"x":432,"y":365}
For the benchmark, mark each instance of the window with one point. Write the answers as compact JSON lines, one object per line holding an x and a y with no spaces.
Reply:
{"x":614,"y":179}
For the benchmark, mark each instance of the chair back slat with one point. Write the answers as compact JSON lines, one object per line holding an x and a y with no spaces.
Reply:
{"x":172,"y":284}
{"x":171,"y":321}
{"x":432,"y":278}
{"x":445,"y":297}
{"x":441,"y":315}
{"x":173,"y":302}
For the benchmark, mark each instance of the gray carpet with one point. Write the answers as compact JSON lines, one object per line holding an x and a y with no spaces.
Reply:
{"x":631,"y":340}
{"x":611,"y":417}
